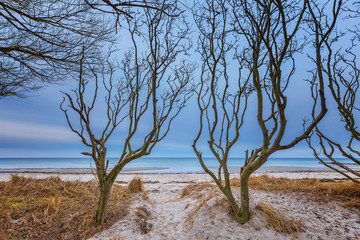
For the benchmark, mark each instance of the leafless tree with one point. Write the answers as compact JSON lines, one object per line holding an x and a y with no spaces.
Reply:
{"x":154,"y":88}
{"x":270,"y":34}
{"x":343,"y":74}
{"x":42,"y":41}
{"x":128,"y":8}
{"x":222,"y":99}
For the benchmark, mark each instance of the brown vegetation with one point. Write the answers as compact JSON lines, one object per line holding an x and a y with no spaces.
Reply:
{"x":346,"y":192}
{"x":136,"y":185}
{"x":196,"y":190}
{"x":55,"y":209}
{"x":141,"y":217}
{"x":278,"y":221}
{"x":203,"y":202}
{"x":203,"y":193}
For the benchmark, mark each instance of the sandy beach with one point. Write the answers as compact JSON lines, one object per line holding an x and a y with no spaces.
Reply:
{"x":185,"y":178}
{"x":169,"y":212}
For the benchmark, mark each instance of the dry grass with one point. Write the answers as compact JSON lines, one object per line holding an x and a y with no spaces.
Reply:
{"x":197,"y":190}
{"x":136,"y":185}
{"x":203,"y":193}
{"x":141,"y":217}
{"x":54,"y":209}
{"x":223,"y":203}
{"x":278,"y":221}
{"x":346,"y":192}
{"x":202,"y":203}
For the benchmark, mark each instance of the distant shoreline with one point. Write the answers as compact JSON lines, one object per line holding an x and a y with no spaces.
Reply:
{"x":74,"y":170}
{"x":158,"y":170}
{"x":184,"y":178}
{"x":152,"y":165}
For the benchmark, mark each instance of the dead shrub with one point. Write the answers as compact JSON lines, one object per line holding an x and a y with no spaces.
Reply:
{"x":142,"y":215}
{"x":55,"y":209}
{"x":136,"y":185}
{"x":278,"y":221}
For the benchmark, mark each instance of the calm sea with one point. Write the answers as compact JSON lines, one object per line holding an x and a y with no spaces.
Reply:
{"x":151,"y":165}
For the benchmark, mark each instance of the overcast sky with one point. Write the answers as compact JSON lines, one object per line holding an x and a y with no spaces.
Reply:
{"x":35,"y":127}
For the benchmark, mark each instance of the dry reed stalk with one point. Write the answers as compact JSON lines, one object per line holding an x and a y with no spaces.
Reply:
{"x":278,"y":221}
{"x":196,"y":190}
{"x":190,"y":218}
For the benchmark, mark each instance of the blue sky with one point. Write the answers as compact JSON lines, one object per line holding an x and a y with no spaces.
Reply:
{"x":35,"y":127}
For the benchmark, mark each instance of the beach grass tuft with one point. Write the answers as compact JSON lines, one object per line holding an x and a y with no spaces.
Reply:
{"x":142,"y":216}
{"x":54,"y":209}
{"x":345,"y":192}
{"x":136,"y":185}
{"x":278,"y":221}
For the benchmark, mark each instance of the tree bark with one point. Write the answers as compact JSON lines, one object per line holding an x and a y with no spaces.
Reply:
{"x":242,"y":213}
{"x":244,"y":191}
{"x":105,"y":189}
{"x":233,"y":203}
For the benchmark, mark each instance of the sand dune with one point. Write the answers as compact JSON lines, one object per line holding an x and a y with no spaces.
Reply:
{"x":164,"y":214}
{"x":170,"y":213}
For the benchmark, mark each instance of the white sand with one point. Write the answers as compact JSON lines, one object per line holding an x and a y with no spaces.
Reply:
{"x":178,"y":177}
{"x":170,"y":212}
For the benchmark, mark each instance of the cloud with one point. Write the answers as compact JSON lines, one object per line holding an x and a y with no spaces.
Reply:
{"x":35,"y":132}
{"x":38,"y":153}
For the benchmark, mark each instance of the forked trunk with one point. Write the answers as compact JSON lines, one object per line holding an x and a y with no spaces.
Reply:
{"x":244,"y":192}
{"x":242,"y":213}
{"x":105,"y":189}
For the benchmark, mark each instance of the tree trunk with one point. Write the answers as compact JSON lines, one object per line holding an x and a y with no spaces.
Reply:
{"x":105,"y":189}
{"x":244,"y":191}
{"x":242,"y":213}
{"x":233,"y":203}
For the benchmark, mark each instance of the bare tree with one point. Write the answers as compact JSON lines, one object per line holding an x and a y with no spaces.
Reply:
{"x":222,"y":99}
{"x":128,"y":8}
{"x":154,"y":88}
{"x":270,"y":34}
{"x":42,"y":41}
{"x":343,"y":74}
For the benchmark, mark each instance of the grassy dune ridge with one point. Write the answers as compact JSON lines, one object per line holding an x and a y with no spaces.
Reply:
{"x":54,"y":209}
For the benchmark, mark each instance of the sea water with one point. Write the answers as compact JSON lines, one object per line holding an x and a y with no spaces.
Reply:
{"x":150,"y":164}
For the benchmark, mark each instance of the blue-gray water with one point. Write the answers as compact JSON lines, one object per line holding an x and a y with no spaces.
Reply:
{"x":149,"y":164}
